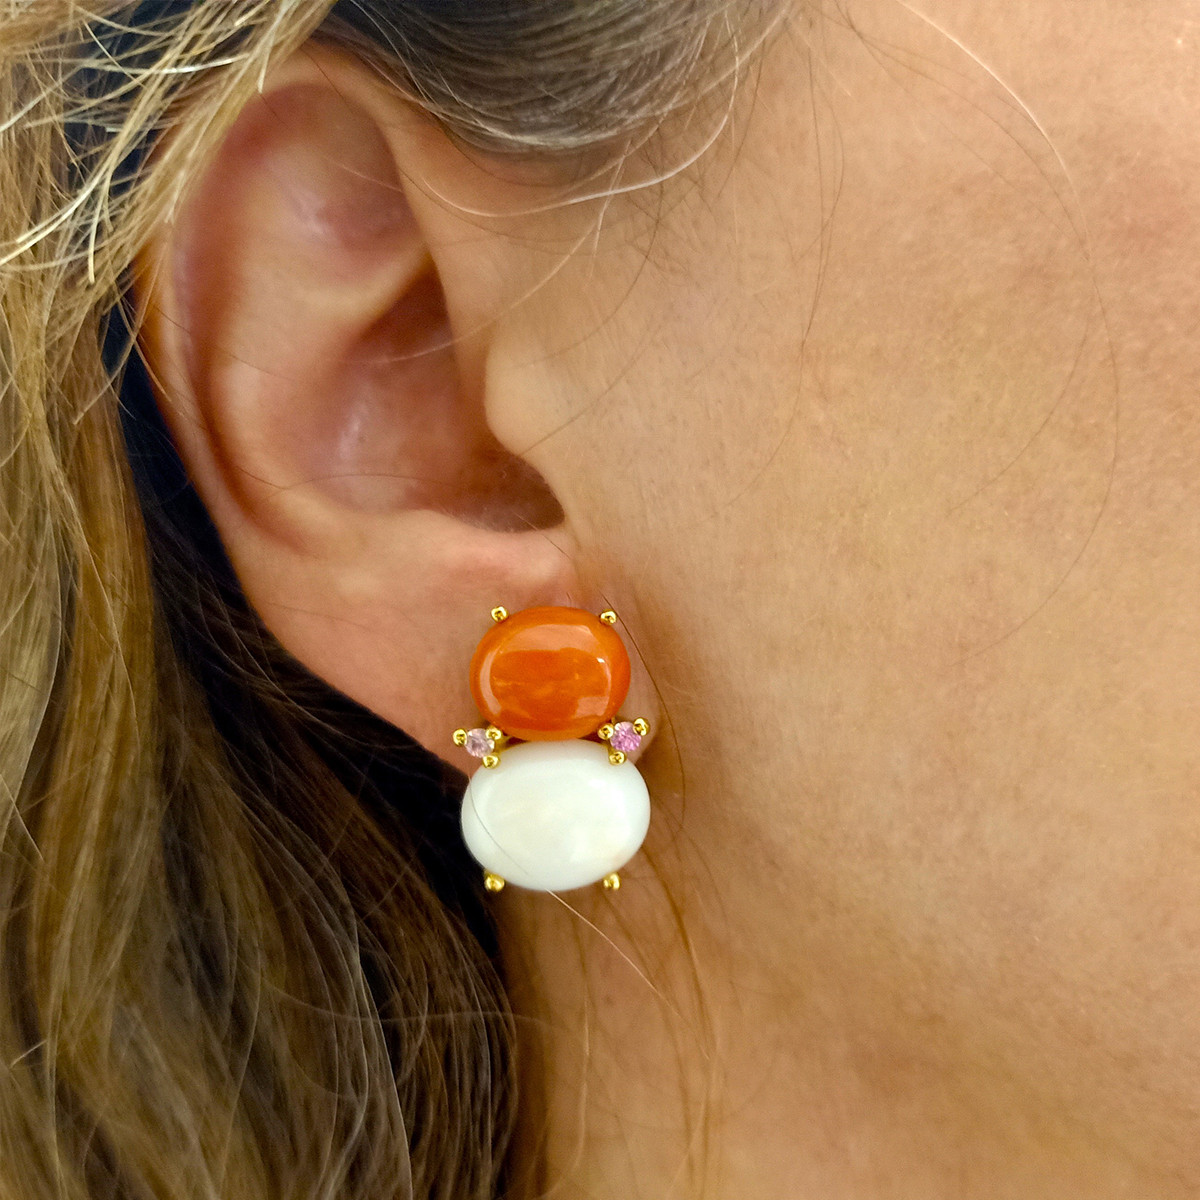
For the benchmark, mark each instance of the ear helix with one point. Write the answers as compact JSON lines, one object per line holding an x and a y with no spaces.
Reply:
{"x":550,"y":808}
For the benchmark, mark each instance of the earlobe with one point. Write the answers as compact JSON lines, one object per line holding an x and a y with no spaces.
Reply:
{"x":298,"y":324}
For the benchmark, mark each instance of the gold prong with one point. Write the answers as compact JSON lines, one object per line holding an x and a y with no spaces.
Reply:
{"x":641,"y":727}
{"x":612,"y":882}
{"x":460,"y":737}
{"x":493,"y":883}
{"x":494,"y":733}
{"x":490,"y":760}
{"x":605,"y":731}
{"x":499,"y":613}
{"x":616,"y":757}
{"x":608,"y":617}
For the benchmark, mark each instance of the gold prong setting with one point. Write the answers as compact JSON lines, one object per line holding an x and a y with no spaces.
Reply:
{"x":623,"y":738}
{"x":482,"y":743}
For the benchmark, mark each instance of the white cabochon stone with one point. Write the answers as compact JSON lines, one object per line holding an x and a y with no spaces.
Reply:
{"x":555,"y":815}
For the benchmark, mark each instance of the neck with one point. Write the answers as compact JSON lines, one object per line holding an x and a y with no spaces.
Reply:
{"x":707,"y":1033}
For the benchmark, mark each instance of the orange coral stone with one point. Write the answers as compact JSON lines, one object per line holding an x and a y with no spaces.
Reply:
{"x":548,"y":674}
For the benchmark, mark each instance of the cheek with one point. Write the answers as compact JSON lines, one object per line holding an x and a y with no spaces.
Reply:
{"x":915,"y":529}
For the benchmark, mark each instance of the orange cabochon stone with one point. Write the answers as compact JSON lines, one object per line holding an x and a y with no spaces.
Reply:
{"x":548,"y":674}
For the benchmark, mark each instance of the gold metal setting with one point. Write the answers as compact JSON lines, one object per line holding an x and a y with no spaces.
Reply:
{"x":493,"y":883}
{"x":641,"y":727}
{"x":460,"y":737}
{"x":494,"y":734}
{"x":608,"y":617}
{"x":490,"y":760}
{"x":612,"y":883}
{"x":605,"y":732}
{"x":499,"y":613}
{"x":616,"y":757}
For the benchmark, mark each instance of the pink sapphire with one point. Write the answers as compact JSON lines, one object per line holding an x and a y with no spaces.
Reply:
{"x":625,"y":737}
{"x":478,"y":743}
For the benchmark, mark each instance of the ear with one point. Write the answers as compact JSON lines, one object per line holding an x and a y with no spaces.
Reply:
{"x":317,"y":325}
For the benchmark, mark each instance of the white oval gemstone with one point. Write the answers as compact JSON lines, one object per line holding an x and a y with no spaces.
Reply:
{"x":555,"y":815}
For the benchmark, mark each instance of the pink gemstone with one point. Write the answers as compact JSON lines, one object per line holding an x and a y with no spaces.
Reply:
{"x":478,"y":743}
{"x":625,"y":737}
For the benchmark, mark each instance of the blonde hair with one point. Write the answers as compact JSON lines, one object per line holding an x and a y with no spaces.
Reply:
{"x":242,"y":952}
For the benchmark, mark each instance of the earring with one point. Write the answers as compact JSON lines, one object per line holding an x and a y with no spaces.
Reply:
{"x":550,"y":808}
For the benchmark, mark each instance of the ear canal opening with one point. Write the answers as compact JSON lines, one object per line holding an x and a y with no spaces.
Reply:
{"x":502,"y":492}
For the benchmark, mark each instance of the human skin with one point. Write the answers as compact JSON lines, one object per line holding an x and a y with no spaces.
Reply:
{"x":925,"y":613}
{"x":877,"y":424}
